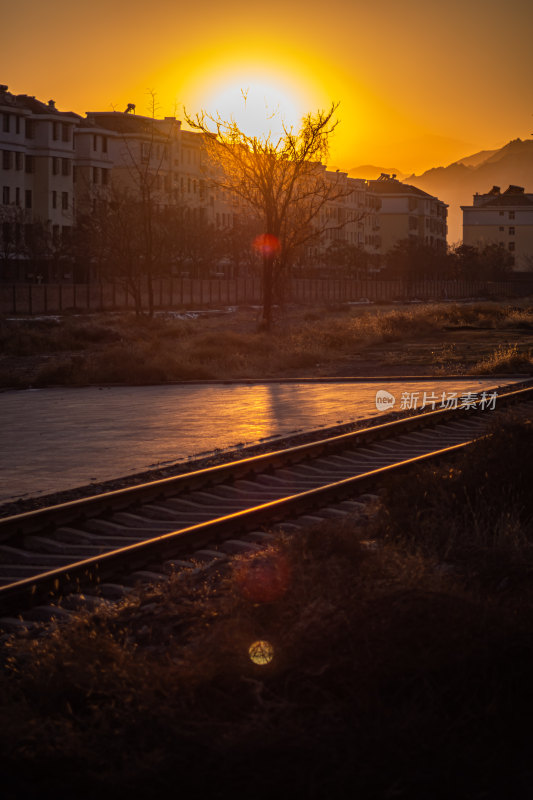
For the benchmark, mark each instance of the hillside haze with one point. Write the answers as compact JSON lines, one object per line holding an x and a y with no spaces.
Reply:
{"x":457,"y":183}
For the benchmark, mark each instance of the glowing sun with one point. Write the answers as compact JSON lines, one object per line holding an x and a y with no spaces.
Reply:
{"x":259,"y":105}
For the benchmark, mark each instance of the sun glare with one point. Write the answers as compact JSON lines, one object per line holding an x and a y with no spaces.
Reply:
{"x":259,"y":107}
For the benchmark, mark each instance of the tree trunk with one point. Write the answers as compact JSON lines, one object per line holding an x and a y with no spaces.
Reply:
{"x":268,"y":264}
{"x":150,"y":288}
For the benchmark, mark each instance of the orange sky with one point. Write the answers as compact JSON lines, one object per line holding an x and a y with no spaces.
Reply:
{"x":421,"y":83}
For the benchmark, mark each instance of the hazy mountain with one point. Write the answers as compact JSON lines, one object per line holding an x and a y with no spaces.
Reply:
{"x":477,"y":158}
{"x":457,"y":183}
{"x":424,"y":151}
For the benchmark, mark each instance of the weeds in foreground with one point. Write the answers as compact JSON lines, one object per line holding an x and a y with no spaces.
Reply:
{"x":478,"y":514}
{"x":422,"y":672}
{"x":505,"y":358}
{"x":126,"y":349}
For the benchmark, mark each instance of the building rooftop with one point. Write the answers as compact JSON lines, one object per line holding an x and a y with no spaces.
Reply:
{"x":513,"y":196}
{"x":387,"y":184}
{"x":24,"y":102}
{"x":125,"y":122}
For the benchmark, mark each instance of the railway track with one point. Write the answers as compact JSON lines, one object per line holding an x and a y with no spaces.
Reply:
{"x":98,"y":547}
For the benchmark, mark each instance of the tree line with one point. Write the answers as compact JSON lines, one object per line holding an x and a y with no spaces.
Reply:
{"x":282,"y":190}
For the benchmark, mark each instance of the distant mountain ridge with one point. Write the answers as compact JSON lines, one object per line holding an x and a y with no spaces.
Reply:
{"x":457,"y":183}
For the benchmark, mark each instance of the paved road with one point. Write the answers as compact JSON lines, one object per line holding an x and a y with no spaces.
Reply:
{"x":57,"y":439}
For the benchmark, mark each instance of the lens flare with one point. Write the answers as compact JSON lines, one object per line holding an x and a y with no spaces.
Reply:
{"x":264,"y":579}
{"x":261,"y":652}
{"x":267,"y":244}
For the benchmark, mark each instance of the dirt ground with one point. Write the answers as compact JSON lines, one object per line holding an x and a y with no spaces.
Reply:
{"x":227,"y":345}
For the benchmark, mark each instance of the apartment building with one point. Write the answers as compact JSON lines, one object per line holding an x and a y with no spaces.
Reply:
{"x":408,"y":213}
{"x":502,"y":218}
{"x":56,"y":166}
{"x":36,"y":163}
{"x":134,"y":152}
{"x":351,"y":218}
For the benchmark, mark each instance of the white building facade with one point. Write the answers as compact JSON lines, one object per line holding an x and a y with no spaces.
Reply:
{"x":504,"y":219}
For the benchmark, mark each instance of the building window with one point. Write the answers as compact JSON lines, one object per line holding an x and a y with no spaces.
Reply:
{"x":30,"y":129}
{"x":55,"y":131}
{"x":95,"y":174}
{"x":17,"y":124}
{"x":6,"y":159}
{"x":145,"y":151}
{"x":18,"y":161}
{"x":64,"y":201}
{"x":95,"y":142}
{"x":511,"y":214}
{"x":105,"y":177}
{"x":5,"y":195}
{"x":502,"y":228}
{"x":511,"y":231}
{"x":104,"y":144}
{"x":6,"y":125}
{"x":55,"y":233}
{"x":511,"y":246}
{"x":54,"y":199}
{"x":27,"y":198}
{"x":17,"y":196}
{"x":29,"y":166}
{"x":74,"y":174}
{"x":65,"y":133}
{"x":65,"y":166}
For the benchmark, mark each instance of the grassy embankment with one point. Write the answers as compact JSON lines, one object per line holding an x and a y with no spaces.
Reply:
{"x":430,"y":339}
{"x":403,"y":654}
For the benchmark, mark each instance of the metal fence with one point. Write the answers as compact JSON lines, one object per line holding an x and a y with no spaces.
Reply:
{"x":184,"y":293}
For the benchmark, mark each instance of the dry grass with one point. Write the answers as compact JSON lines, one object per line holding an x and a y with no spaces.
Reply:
{"x":478,"y":514}
{"x":505,"y":358}
{"x":401,"y":670}
{"x":119,"y":348}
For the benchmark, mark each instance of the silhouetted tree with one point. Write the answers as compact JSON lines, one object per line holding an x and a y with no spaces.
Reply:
{"x":491,"y":262}
{"x":12,"y":250}
{"x":282,"y":182}
{"x":413,"y":260}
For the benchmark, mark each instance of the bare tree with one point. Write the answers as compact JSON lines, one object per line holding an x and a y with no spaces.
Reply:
{"x":283,"y":182}
{"x":12,"y":222}
{"x":131,"y":226}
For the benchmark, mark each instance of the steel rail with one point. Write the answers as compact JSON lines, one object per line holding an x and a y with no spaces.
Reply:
{"x":51,"y":583}
{"x":109,"y":502}
{"x":48,"y":585}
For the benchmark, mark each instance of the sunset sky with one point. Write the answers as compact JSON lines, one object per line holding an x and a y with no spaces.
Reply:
{"x":420,"y":83}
